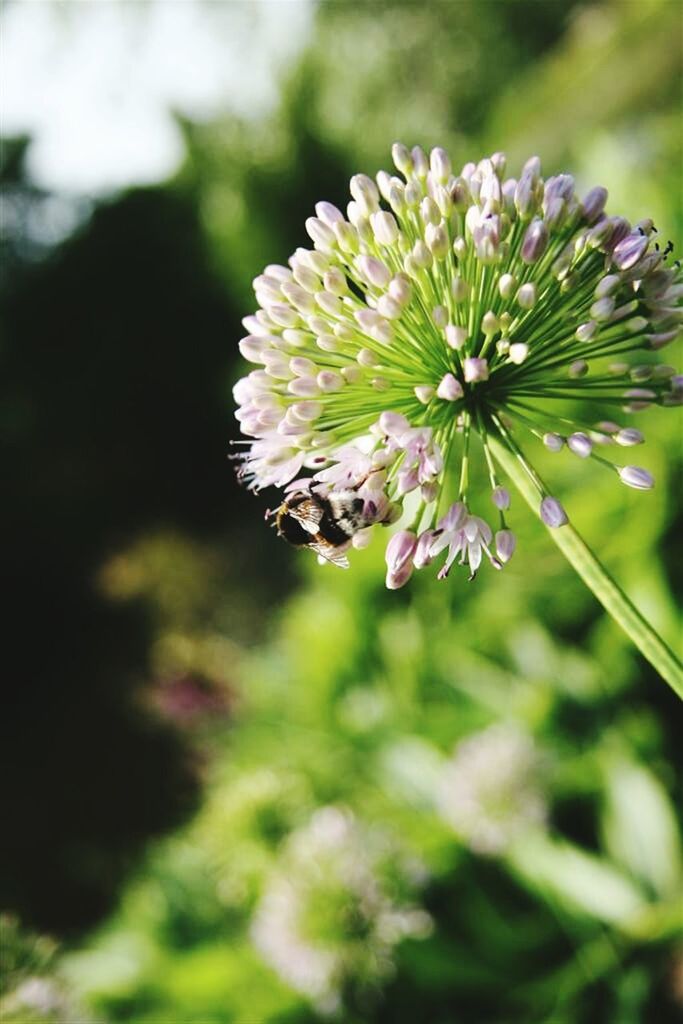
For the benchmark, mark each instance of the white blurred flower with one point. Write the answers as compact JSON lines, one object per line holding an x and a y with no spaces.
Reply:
{"x":491,"y":790}
{"x":329,"y":915}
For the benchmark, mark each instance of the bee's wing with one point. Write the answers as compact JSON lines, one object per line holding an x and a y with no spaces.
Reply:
{"x":308,"y":513}
{"x":330,"y":553}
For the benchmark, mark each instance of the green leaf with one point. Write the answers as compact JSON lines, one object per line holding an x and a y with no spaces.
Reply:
{"x":580,"y":882}
{"x":639,"y":826}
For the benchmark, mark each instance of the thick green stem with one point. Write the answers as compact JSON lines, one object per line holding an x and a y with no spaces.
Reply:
{"x":596,"y":577}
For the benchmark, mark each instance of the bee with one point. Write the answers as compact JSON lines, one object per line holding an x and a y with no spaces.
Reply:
{"x":324,"y":523}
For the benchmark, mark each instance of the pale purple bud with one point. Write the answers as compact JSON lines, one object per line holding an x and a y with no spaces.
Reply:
{"x":330,"y":380}
{"x":407,"y":481}
{"x":628,"y":437}
{"x":634,"y":476}
{"x":420,"y":163}
{"x":629,"y":250}
{"x":440,"y":164}
{"x":328,"y":213}
{"x":580,"y":444}
{"x":329,"y":303}
{"x":422,"y":556}
{"x":579,"y":368}
{"x":594,"y":203}
{"x":252,"y":347}
{"x":299,"y":297}
{"x":602,"y":309}
{"x":366,"y":357}
{"x":476,"y":369}
{"x":429,"y":492}
{"x":500,"y":496}
{"x":365,"y":193}
{"x":400,"y":289}
{"x":456,"y":337}
{"x":526,"y":295}
{"x":347,"y":236}
{"x":535,"y":241}
{"x":422,"y":256}
{"x":388,"y":307}
{"x":450,"y":388}
{"x":642,"y":396}
{"x":506,"y":542}
{"x":553,"y":442}
{"x":587,"y":331}
{"x":440,"y":316}
{"x":661,"y":340}
{"x":304,"y":387}
{"x":552,"y":513}
{"x":351,"y":374}
{"x":335,"y":281}
{"x":640,"y":374}
{"x":608,"y":426}
{"x":393,"y":424}
{"x":403,"y":161}
{"x":283,"y":316}
{"x":322,"y":234}
{"x":424,"y":393}
{"x":459,"y":289}
{"x":374,"y":271}
{"x":620,"y":228}
{"x":400,"y":550}
{"x":303,"y":367}
{"x":607,"y":285}
{"x":385,"y":227}
{"x":525,"y":195}
{"x":437,"y":240}
{"x":555,"y":212}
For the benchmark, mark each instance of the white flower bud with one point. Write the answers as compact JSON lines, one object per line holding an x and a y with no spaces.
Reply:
{"x":374,"y":271}
{"x":440,"y":165}
{"x":456,"y":337}
{"x":476,"y":369}
{"x":385,"y":227}
{"x":450,"y":388}
{"x":459,"y":289}
{"x":507,"y":285}
{"x":526,"y":295}
{"x":518,"y":352}
{"x":424,"y":393}
{"x":440,"y":316}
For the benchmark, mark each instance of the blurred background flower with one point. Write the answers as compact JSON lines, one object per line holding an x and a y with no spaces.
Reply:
{"x":184,"y":694}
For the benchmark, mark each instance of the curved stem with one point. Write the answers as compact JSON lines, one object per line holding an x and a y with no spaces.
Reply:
{"x":596,"y":577}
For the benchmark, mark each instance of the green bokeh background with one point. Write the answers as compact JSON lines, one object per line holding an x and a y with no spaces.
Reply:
{"x":189,"y":692}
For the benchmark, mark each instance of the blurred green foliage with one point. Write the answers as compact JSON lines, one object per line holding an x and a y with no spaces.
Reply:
{"x":353,"y":700}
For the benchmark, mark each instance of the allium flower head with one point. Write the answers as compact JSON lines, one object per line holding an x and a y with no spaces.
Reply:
{"x":444,"y":306}
{"x":331,"y":916}
{"x":491,"y":790}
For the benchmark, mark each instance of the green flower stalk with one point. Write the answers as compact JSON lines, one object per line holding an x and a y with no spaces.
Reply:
{"x":442,"y":307}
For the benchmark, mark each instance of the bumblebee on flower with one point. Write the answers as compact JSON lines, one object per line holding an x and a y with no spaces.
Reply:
{"x":444,"y":306}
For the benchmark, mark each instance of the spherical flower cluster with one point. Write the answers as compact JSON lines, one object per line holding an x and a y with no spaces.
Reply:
{"x":330,"y":916}
{"x":491,"y":790}
{"x":447,"y":305}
